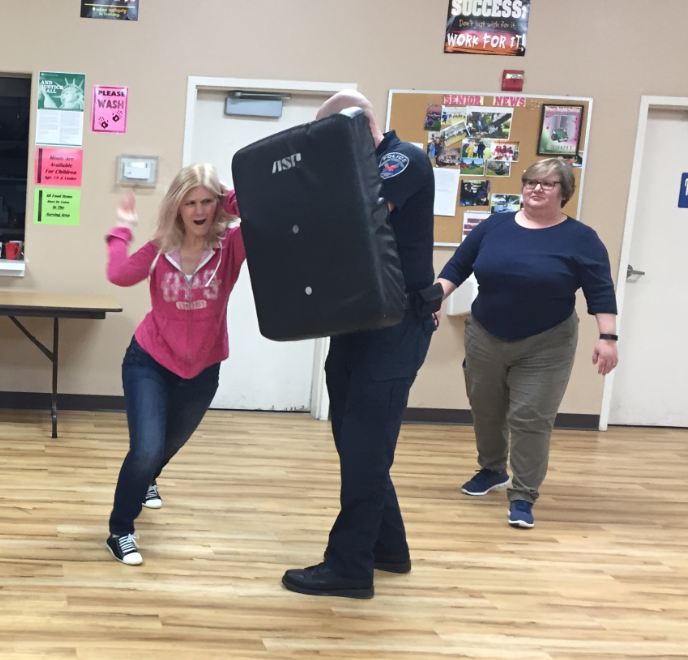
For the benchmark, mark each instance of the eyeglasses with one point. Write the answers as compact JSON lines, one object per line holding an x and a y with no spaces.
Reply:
{"x":545,"y":185}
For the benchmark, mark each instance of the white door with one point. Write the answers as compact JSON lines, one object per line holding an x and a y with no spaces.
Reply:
{"x":260,"y":374}
{"x":650,"y":386}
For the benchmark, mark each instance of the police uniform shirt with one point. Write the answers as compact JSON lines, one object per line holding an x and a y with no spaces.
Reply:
{"x":408,"y":182}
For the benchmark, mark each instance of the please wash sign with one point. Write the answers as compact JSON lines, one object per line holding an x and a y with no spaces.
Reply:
{"x":109,"y":111}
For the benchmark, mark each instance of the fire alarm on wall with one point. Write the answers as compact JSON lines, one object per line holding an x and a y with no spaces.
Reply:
{"x":512,"y":80}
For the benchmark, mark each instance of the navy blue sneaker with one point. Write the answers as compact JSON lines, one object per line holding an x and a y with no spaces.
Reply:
{"x":484,"y":481}
{"x":521,"y":514}
{"x":124,"y":549}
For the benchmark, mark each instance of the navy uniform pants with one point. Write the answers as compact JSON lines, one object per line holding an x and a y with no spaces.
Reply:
{"x":369,"y":375}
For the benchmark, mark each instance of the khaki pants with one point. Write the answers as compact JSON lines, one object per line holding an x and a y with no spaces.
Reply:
{"x":515,"y":389}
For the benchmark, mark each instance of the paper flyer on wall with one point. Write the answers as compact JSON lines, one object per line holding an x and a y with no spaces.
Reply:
{"x":446,"y":190}
{"x":471,"y":219}
{"x":109,"y":109}
{"x":55,"y":166}
{"x":487,"y":27}
{"x":60,"y":116}
{"x":56,"y":206}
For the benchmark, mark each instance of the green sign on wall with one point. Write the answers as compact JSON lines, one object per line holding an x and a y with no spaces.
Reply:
{"x":56,"y":206}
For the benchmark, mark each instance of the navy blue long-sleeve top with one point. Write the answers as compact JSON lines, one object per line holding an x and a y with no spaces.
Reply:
{"x":528,"y":278}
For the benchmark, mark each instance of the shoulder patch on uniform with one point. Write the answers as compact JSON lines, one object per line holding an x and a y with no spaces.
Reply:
{"x":392,"y":164}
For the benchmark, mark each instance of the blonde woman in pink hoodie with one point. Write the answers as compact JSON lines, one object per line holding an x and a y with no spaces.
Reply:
{"x":171,"y":368}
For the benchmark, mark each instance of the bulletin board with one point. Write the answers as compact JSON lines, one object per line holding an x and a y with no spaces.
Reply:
{"x":515,"y":130}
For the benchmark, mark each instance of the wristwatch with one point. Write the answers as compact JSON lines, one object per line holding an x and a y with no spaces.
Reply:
{"x":608,"y":335}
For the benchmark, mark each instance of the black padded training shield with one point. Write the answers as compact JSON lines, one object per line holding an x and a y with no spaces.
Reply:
{"x":321,"y":254}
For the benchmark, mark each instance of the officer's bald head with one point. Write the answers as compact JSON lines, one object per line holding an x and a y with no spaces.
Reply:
{"x":350,"y":98}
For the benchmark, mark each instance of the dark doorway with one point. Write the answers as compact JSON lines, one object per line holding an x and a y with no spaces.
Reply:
{"x":15,"y":100}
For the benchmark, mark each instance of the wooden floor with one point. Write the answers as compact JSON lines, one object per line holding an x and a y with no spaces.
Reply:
{"x":604,"y":574}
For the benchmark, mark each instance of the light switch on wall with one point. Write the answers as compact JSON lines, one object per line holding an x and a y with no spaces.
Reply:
{"x":137,"y":170}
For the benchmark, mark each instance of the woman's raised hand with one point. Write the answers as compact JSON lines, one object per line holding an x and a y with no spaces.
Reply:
{"x":126,"y":211}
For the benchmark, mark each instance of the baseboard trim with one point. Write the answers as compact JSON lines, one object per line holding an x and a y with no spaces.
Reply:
{"x":41,"y":401}
{"x":95,"y":402}
{"x":438,"y":416}
{"x":457,"y":416}
{"x":577,"y":422}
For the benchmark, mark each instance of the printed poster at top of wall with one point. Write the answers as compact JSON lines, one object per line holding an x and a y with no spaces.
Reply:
{"x":487,"y":27}
{"x":118,"y":10}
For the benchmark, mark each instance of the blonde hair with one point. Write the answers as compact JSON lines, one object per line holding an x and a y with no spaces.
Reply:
{"x":169,"y":234}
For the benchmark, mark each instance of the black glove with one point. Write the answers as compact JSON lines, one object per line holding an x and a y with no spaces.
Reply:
{"x":427,"y":301}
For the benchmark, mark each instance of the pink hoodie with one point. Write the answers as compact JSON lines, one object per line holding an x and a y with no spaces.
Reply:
{"x":186,"y":329}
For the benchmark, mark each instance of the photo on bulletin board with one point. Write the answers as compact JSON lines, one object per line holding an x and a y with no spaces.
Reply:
{"x":498,"y":168}
{"x":435,"y":146}
{"x":454,"y":135}
{"x":472,"y":166}
{"x":450,"y":157}
{"x":475,"y":148}
{"x":489,"y":122}
{"x":560,"y":130}
{"x":500,"y":203}
{"x":433,"y":117}
{"x":475,"y":192}
{"x":502,"y":150}
{"x":453,"y":115}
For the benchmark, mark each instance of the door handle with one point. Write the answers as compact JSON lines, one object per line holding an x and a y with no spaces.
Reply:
{"x":630,"y":271}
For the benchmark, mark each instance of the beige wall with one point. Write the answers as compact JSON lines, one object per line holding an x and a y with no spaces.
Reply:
{"x":613,"y":51}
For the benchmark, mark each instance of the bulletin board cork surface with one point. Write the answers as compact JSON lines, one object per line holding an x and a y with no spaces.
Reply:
{"x":552,"y":125}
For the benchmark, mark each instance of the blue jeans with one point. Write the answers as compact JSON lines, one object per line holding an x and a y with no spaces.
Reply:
{"x":163,"y":410}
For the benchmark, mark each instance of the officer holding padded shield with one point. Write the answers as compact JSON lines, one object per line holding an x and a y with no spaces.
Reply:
{"x":369,"y":375}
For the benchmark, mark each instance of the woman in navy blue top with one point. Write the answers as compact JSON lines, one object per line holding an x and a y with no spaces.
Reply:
{"x":521,"y":335}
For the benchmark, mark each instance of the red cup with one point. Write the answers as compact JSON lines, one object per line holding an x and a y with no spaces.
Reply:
{"x":12,"y":250}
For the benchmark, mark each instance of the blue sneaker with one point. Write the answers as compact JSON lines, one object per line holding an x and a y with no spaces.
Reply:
{"x":521,"y":514}
{"x":484,"y":481}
